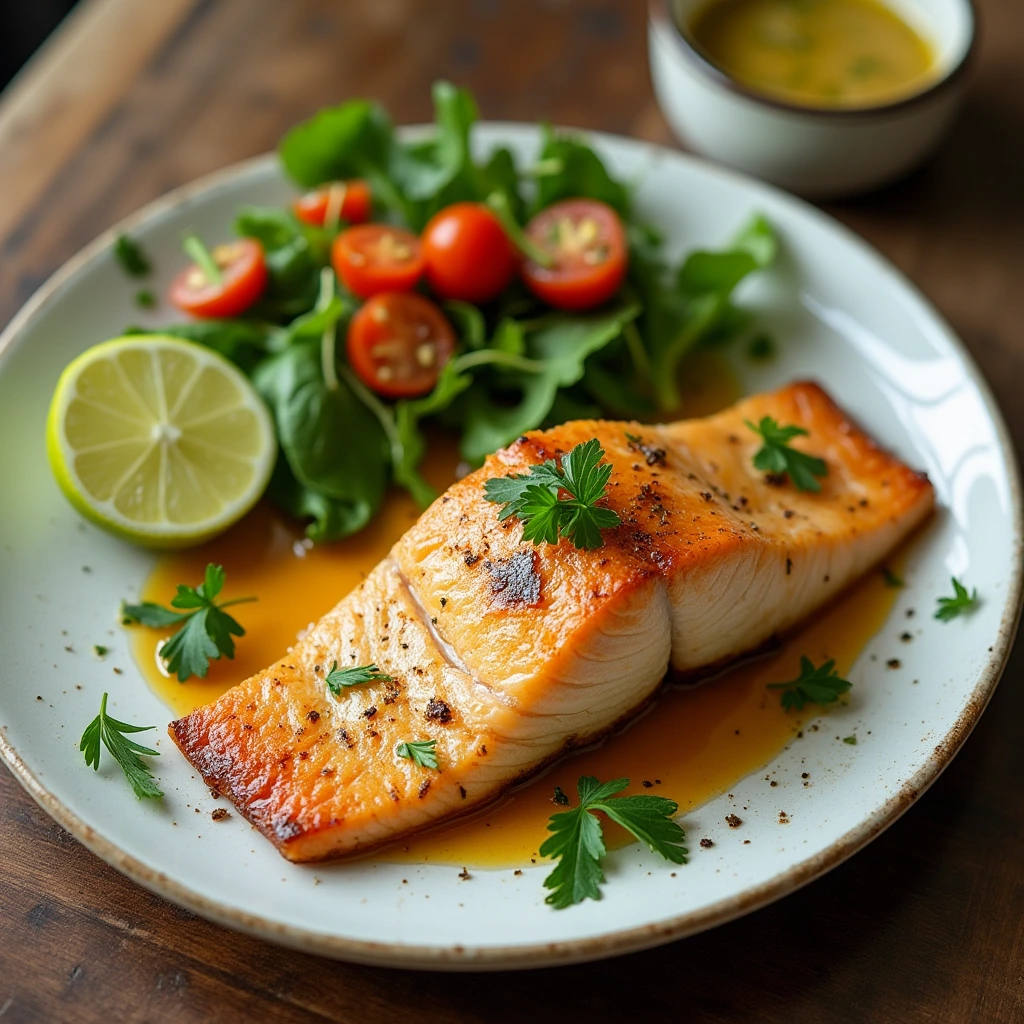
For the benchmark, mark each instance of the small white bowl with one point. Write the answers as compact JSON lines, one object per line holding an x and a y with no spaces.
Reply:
{"x":820,"y":153}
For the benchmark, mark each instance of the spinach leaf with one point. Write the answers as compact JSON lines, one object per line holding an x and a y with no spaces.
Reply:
{"x":243,"y":342}
{"x":338,"y":143}
{"x":335,"y":448}
{"x":295,"y":254}
{"x":413,"y":180}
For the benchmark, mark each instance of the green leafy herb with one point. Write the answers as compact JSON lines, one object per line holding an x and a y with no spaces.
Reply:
{"x":961,"y":603}
{"x":130,"y":255}
{"x":145,"y":299}
{"x":761,"y":348}
{"x":109,"y":732}
{"x":100,"y":651}
{"x":851,"y":740}
{"x":821,"y":685}
{"x":196,"y":250}
{"x":339,"y":679}
{"x":776,"y":455}
{"x":534,"y":498}
{"x":892,"y":579}
{"x":243,"y":342}
{"x":577,"y":840}
{"x":420,"y":752}
{"x":205,"y":632}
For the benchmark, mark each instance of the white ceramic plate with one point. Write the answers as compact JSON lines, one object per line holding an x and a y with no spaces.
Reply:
{"x":843,"y":316}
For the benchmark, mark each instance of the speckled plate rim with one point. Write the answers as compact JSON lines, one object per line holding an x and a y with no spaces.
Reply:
{"x":459,"y":957}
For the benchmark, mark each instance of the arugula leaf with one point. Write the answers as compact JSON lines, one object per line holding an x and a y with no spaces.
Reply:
{"x":577,"y":171}
{"x":339,"y":679}
{"x":961,"y":603}
{"x":335,"y":450}
{"x":558,"y":349}
{"x":818,"y":685}
{"x":693,"y":305}
{"x":206,"y":632}
{"x":533,"y":498}
{"x":577,"y":839}
{"x":109,"y":732}
{"x":420,"y":752}
{"x":776,"y":455}
{"x":132,"y":257}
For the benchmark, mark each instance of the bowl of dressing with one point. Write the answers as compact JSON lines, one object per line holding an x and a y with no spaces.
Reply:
{"x":826,"y":98}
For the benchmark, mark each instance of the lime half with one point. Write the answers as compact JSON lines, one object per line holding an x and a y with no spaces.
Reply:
{"x":158,"y":440}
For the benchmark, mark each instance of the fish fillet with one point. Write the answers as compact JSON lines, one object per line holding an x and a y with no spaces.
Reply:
{"x":507,"y":654}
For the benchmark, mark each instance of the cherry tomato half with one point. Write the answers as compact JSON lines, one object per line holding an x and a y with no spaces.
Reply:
{"x":398,"y":342}
{"x":351,"y":199}
{"x":587,"y":244}
{"x":376,"y":258}
{"x":243,"y":277}
{"x":468,"y":255}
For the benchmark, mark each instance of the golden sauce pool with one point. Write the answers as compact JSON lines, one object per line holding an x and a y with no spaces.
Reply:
{"x":694,"y":743}
{"x":819,"y":53}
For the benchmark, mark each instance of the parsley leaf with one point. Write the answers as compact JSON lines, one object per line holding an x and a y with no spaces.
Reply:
{"x":960,"y":604}
{"x":206,"y":632}
{"x":776,"y":456}
{"x":339,"y":678}
{"x":821,"y":685}
{"x":534,"y":498}
{"x":129,"y":254}
{"x":420,"y":752}
{"x":577,"y":839}
{"x":111,"y":733}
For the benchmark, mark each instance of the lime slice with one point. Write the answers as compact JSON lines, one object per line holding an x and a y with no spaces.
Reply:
{"x":158,"y":440}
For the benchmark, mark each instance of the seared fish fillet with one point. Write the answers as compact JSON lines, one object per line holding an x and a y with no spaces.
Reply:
{"x":507,"y":654}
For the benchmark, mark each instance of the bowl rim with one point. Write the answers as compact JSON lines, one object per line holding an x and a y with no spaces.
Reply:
{"x":663,"y":20}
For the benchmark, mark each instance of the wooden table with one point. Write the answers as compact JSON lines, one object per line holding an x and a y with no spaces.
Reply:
{"x":133,"y":97}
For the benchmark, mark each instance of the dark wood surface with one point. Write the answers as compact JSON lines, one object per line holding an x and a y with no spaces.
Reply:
{"x":926,"y":924}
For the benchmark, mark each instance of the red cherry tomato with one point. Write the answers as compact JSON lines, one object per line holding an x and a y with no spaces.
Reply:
{"x":243,"y":278}
{"x":467,"y":253}
{"x":587,"y":244}
{"x":351,"y":199}
{"x":376,"y":258}
{"x":398,"y":342}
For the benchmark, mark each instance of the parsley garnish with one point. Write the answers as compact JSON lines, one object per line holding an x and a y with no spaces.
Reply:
{"x":892,"y":579}
{"x":339,"y":678}
{"x":578,"y":839}
{"x":206,"y":632}
{"x":821,"y":685}
{"x":110,"y":732}
{"x":129,"y":254}
{"x":851,"y":740}
{"x":961,"y":603}
{"x":145,"y":298}
{"x":776,"y":456}
{"x":420,"y":752}
{"x":534,"y":498}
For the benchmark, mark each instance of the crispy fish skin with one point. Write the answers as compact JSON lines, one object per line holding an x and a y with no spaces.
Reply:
{"x":506,"y":654}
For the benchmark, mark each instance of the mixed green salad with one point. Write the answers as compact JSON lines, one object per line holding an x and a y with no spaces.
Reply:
{"x":416,"y":283}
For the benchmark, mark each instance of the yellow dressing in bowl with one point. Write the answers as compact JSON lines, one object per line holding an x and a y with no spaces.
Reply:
{"x":816,"y":53}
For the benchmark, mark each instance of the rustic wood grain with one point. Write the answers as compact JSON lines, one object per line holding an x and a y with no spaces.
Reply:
{"x":926,"y":924}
